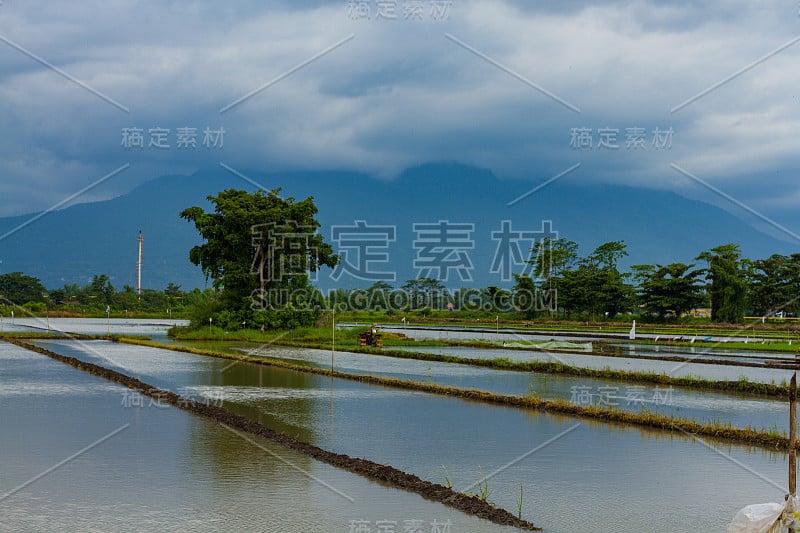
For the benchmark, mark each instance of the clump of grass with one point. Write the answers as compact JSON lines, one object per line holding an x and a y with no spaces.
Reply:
{"x":483,"y":485}
{"x":532,"y":393}
{"x":445,"y":475}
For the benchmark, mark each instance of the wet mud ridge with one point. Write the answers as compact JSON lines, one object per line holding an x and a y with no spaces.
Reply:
{"x":385,"y":474}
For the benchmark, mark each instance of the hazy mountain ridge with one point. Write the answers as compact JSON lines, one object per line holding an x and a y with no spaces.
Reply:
{"x":71,"y":245}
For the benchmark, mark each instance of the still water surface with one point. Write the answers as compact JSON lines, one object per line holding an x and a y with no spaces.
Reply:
{"x":152,"y":327}
{"x":164,"y":469}
{"x":576,"y":475}
{"x":703,"y":406}
{"x":631,"y":363}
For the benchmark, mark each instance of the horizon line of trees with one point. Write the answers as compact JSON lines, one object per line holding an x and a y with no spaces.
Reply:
{"x":593,"y":287}
{"x":18,"y":289}
{"x":260,"y":247}
{"x":729,"y":284}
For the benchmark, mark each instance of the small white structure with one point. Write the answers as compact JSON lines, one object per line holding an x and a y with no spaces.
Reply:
{"x":767,"y":518}
{"x":776,"y":517}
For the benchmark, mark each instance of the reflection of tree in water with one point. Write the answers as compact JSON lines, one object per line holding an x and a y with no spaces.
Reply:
{"x":224,"y":462}
{"x":233,"y":454}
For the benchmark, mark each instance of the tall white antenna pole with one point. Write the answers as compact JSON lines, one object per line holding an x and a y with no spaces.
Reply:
{"x":139,"y":265}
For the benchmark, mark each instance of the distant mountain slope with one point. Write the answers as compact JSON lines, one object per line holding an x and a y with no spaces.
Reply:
{"x":71,"y":245}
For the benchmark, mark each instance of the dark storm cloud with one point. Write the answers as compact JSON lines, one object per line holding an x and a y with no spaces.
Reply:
{"x":400,"y":92}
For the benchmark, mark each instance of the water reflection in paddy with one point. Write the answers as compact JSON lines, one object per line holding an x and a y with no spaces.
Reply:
{"x":671,"y":368}
{"x":592,"y":477}
{"x":164,"y":469}
{"x":740,"y":410}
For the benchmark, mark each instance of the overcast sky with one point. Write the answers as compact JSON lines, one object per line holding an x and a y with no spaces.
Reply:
{"x":513,"y":86}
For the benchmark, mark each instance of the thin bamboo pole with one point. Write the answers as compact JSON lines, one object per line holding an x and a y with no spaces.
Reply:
{"x":793,"y":436}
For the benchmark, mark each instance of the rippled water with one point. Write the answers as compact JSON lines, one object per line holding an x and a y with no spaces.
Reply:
{"x":576,"y":475}
{"x":164,"y":469}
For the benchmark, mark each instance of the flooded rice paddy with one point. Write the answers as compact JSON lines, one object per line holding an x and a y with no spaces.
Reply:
{"x":630,"y":476}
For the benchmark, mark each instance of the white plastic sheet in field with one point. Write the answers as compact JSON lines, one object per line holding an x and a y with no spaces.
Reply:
{"x":767,"y":518}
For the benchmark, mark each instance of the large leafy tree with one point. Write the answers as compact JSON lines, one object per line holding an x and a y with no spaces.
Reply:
{"x":259,"y":250}
{"x":613,"y":293}
{"x":524,"y":296}
{"x":554,"y":258}
{"x":424,"y":292}
{"x":775,"y":284}
{"x":494,"y":299}
{"x":378,"y":295}
{"x":16,"y":288}
{"x":596,"y":287}
{"x":727,"y":273}
{"x":101,"y":289}
{"x":673,"y":288}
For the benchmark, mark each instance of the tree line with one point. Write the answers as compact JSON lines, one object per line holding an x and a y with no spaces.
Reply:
{"x":593,"y":287}
{"x":730,"y":285}
{"x":263,"y":281}
{"x":20,"y":290}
